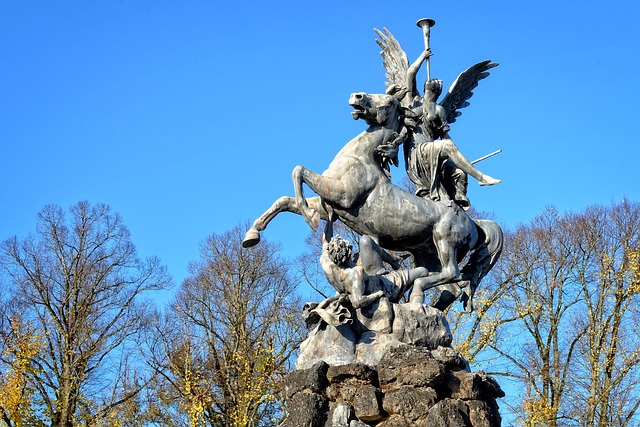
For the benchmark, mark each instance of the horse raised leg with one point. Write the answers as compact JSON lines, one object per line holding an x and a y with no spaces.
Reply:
{"x":319,"y":184}
{"x":283,"y":204}
{"x":344,"y":192}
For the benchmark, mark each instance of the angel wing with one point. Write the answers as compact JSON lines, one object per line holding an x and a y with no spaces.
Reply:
{"x":394,"y":59}
{"x":462,"y":89}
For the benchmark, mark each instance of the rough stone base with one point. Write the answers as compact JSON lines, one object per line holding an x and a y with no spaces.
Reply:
{"x":410,"y":387}
{"x":373,"y":334}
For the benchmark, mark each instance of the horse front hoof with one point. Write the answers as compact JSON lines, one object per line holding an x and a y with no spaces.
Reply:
{"x":252,"y":238}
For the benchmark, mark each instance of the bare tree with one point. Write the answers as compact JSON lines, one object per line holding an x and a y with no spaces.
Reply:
{"x":607,"y":375}
{"x":79,"y":282}
{"x":541,"y":260}
{"x":575,"y":346}
{"x":228,"y":338}
{"x":475,"y":333}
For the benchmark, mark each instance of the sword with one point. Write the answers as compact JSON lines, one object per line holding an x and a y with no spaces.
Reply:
{"x":486,"y":157}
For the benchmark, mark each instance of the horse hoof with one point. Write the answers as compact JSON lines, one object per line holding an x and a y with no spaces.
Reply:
{"x":252,"y":238}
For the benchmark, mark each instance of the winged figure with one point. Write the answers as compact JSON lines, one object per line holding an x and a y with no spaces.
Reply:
{"x":432,"y":159}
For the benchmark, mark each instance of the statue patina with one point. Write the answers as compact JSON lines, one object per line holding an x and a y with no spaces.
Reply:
{"x":431,"y":225}
{"x":433,"y":162}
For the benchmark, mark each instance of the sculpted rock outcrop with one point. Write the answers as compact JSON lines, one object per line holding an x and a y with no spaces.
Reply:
{"x":411,"y":386}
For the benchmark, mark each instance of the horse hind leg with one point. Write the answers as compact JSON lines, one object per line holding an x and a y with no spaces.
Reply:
{"x":482,"y":259}
{"x":283,"y":204}
{"x":330,"y":189}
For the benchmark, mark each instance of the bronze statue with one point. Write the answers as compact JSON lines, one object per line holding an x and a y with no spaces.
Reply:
{"x":356,"y":190}
{"x":366,"y":279}
{"x":450,"y":250}
{"x":432,"y":160}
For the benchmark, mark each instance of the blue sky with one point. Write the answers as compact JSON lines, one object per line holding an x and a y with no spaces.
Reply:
{"x":188,"y":117}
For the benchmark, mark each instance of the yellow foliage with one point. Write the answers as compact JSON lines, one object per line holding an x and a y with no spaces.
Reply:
{"x":538,"y":412}
{"x":15,"y":393}
{"x":112,"y":419}
{"x":247,"y":387}
{"x":253,"y":387}
{"x":196,"y":398}
{"x":633,"y":258}
{"x":484,"y":330}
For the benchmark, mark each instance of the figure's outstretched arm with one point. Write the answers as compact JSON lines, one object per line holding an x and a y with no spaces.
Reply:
{"x":325,"y":260}
{"x":327,"y":234}
{"x":412,"y":72}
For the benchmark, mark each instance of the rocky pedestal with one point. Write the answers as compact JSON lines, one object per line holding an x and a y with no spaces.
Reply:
{"x":372,"y":331}
{"x":410,"y":386}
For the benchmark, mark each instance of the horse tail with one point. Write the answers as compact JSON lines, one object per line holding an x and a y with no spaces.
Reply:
{"x":481,"y":258}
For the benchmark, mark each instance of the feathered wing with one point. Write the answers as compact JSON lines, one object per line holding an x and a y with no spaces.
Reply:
{"x":396,"y":65}
{"x":395,"y":60}
{"x":462,"y":89}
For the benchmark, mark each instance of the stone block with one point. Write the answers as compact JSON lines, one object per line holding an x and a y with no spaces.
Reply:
{"x":410,"y":402}
{"x":366,"y":403}
{"x":409,"y":365}
{"x":447,"y":413}
{"x":396,"y":421}
{"x":307,"y":410}
{"x":421,"y":325}
{"x":359,"y":371}
{"x":450,"y":358}
{"x":489,"y":386}
{"x":313,"y":379}
{"x":372,"y":346}
{"x":335,"y":346}
{"x":484,"y":413}
{"x":341,"y":415}
{"x":471,"y":386}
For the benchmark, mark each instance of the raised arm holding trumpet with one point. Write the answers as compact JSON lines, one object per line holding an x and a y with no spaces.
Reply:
{"x":432,"y":159}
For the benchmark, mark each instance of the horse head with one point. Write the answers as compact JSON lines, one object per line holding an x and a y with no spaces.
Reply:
{"x":375,"y":109}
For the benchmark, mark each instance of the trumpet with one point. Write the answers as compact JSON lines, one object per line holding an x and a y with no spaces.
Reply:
{"x":426,"y":24}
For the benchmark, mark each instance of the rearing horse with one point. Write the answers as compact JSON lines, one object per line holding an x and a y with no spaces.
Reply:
{"x":356,"y":190}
